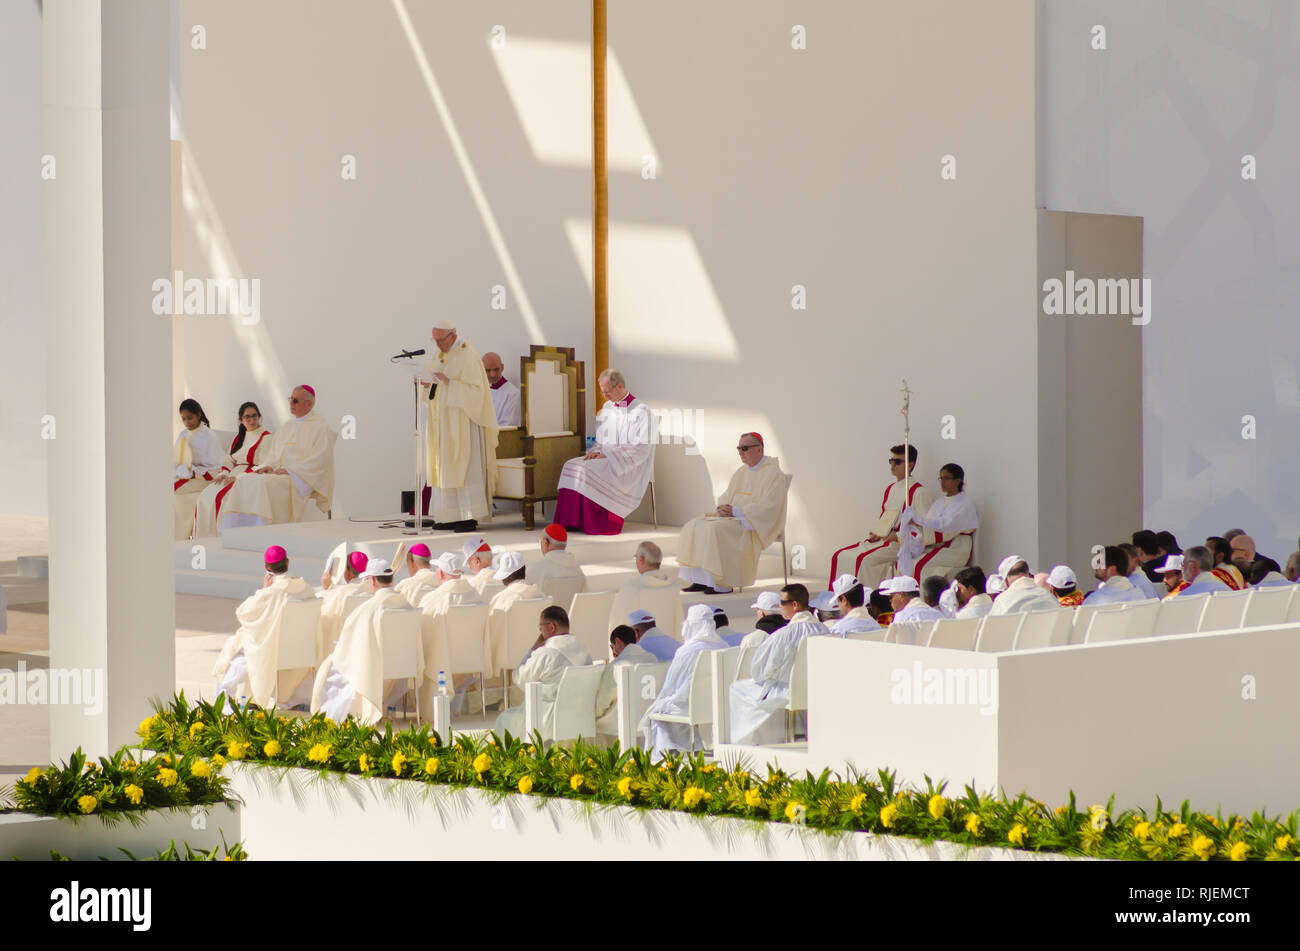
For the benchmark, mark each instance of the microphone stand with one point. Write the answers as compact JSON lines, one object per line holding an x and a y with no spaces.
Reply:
{"x":417,"y":507}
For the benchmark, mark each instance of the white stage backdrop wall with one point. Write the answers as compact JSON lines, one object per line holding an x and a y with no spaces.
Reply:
{"x":1161,"y":124}
{"x":746,"y":175}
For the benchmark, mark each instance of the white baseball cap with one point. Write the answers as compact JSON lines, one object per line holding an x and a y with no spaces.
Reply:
{"x":1007,"y":563}
{"x":450,"y":563}
{"x":1172,"y":563}
{"x":475,"y":546}
{"x":900,"y":585}
{"x":1062,"y":577}
{"x":376,"y":568}
{"x":995,"y":584}
{"x":844,"y":583}
{"x":825,"y":601}
{"x":640,"y":617}
{"x":768,"y":601}
{"x":508,"y":564}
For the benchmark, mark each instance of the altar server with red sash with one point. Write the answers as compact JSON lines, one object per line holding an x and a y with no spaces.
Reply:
{"x":876,"y":554}
{"x":247,"y":452}
{"x":940,"y":540}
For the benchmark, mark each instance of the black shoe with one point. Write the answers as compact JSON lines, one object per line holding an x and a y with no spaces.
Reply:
{"x":466,"y":526}
{"x":695,"y":588}
{"x":442,"y":526}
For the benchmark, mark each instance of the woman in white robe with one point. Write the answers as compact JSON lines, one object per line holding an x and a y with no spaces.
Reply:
{"x":940,"y":540}
{"x":758,"y":704}
{"x":197,"y":458}
{"x":247,"y":451}
{"x":698,"y":636}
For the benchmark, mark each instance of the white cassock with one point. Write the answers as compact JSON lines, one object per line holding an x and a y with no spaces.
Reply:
{"x":436,"y":635}
{"x":418,"y":585}
{"x":939,"y":540}
{"x":460,"y":437}
{"x":545,"y":666}
{"x":252,"y":651}
{"x":1116,"y":590}
{"x":197,"y":456}
{"x":252,"y":453}
{"x":718,"y":551}
{"x":498,"y":612}
{"x":559,"y":575}
{"x":505,"y":401}
{"x":857,"y":621}
{"x":624,"y":435}
{"x":304,"y":447}
{"x":758,"y":704}
{"x":350,"y":680}
{"x":334,"y":602}
{"x":607,"y":691}
{"x":699,"y":637}
{"x":1023,"y":596}
{"x":654,"y":591}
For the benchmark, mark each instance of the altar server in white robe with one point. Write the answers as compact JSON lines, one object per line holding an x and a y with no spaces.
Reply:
{"x":940,"y":540}
{"x":299,"y":471}
{"x":699,"y":636}
{"x":553,"y":651}
{"x":453,"y":589}
{"x":625,"y":650}
{"x":248,"y":451}
{"x":875,"y":555}
{"x":350,"y":680}
{"x":460,"y":435}
{"x":334,"y":601}
{"x":1115,"y":587}
{"x":478,"y":564}
{"x":197,"y":456}
{"x":510,"y":571}
{"x":422,"y":578}
{"x":597,"y":491}
{"x":1023,"y":595}
{"x":505,"y":395}
{"x":852,"y":599}
{"x":558,"y":574}
{"x":250,"y":655}
{"x":651,"y":589}
{"x":757,"y":704}
{"x":719,"y":551}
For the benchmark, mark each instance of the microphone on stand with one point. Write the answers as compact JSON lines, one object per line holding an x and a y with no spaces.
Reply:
{"x":407,"y":353}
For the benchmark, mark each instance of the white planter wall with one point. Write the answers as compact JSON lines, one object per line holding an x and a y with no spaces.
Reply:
{"x":89,"y":838}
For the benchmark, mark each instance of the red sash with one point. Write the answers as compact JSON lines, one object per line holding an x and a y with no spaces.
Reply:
{"x":857,"y":565}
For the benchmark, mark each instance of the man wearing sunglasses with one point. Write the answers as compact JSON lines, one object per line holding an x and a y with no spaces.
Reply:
{"x":875,"y":555}
{"x":720,"y":550}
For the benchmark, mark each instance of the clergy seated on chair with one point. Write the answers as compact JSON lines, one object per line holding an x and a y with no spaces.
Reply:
{"x":1198,"y":573}
{"x":597,"y":491}
{"x":940,"y":540}
{"x":758,"y":703}
{"x":1023,"y":595}
{"x":768,"y":618}
{"x":1243,"y":555}
{"x":299,"y":471}
{"x":625,"y":649}
{"x":651,"y":638}
{"x":558,"y":574}
{"x":478,"y":563}
{"x":421,"y":578}
{"x":1224,"y":569}
{"x":553,"y":651}
{"x":1265,"y":573}
{"x":932,"y":589}
{"x":349,"y":681}
{"x":904,"y":597}
{"x":1136,"y":576}
{"x":852,"y":598}
{"x":874,"y":556}
{"x":505,"y":395}
{"x":197,"y":456}
{"x":510,"y":572}
{"x":698,"y":637}
{"x":648,"y":590}
{"x":1115,"y":588}
{"x":1063,"y":584}
{"x":248,"y":451}
{"x":453,"y":589}
{"x":334,"y":600}
{"x":249,"y":656}
{"x":972,"y":599}
{"x":719,"y":551}
{"x":722,"y":624}
{"x":1171,"y":574}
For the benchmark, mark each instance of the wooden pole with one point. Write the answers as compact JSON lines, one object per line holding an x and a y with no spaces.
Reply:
{"x":600,"y":189}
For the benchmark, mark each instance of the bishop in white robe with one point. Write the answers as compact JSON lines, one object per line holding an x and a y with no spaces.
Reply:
{"x":719,"y":551}
{"x":422,"y":578}
{"x":651,"y":589}
{"x":334,"y":602}
{"x":558,"y":573}
{"x":698,"y":638}
{"x":758,"y":704}
{"x":598,"y":491}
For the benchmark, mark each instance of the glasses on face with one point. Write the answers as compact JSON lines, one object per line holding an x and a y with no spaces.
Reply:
{"x":251,"y":416}
{"x":783,"y":601}
{"x":895,"y":462}
{"x":746,"y":448}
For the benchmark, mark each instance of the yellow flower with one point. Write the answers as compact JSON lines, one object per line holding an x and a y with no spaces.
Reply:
{"x":1016,"y":836}
{"x":1176,"y":830}
{"x":973,"y":823}
{"x":888,"y":815}
{"x":319,"y":753}
{"x":92,"y":767}
{"x":1283,"y":843}
{"x":218,"y":761}
{"x":855,"y":804}
{"x":625,"y":787}
{"x":167,"y":777}
{"x":1203,"y":846}
{"x":481,"y":764}
{"x":710,"y":768}
{"x":431,"y":766}
{"x":398,"y":762}
{"x":1213,"y":821}
{"x":259,"y":715}
{"x":526,"y":785}
{"x":87,"y":804}
{"x":33,"y":774}
{"x":1098,"y":818}
{"x":146,"y":725}
{"x":575,"y":781}
{"x":937,"y":806}
{"x":1142,"y":830}
{"x":753,"y":798}
{"x":237,"y":749}
{"x":433,"y":741}
{"x":196,"y":728}
{"x":1239,"y":851}
{"x":200,"y":769}
{"x":1060,"y":810}
{"x":134,"y":793}
{"x":693,"y":796}
{"x":273,"y":749}
{"x":128,"y":764}
{"x":364,"y":763}
{"x":795,"y":811}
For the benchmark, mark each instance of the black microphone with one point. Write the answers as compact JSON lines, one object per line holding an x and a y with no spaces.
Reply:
{"x":409,"y":353}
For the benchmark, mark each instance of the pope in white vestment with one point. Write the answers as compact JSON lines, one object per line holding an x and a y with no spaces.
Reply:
{"x":299,"y":470}
{"x":758,"y":704}
{"x":721,"y":549}
{"x":597,"y":491}
{"x":699,"y":636}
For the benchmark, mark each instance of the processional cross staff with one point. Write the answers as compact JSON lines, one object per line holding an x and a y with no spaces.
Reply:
{"x":907,"y":439}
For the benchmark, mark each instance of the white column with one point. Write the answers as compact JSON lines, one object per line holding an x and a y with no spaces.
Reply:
{"x":107,"y":238}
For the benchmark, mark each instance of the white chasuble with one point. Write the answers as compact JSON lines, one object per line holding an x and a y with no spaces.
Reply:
{"x":350,"y":681}
{"x":257,"y":642}
{"x":460,"y":437}
{"x":305,"y":448}
{"x":728,"y":548}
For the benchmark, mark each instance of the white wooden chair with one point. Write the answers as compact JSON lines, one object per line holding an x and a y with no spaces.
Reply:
{"x":1180,"y":615}
{"x":1224,"y":611}
{"x":1121,"y":622}
{"x":877,"y":636}
{"x":727,"y":666}
{"x":1045,"y":629}
{"x":798,"y":701}
{"x":638,"y":685}
{"x":910,"y":632}
{"x":955,"y":633}
{"x":466,"y":624}
{"x":780,"y":537}
{"x":588,"y":615}
{"x":297,"y":640}
{"x":1079,"y":621}
{"x":350,"y":604}
{"x":998,"y":632}
{"x":521,"y":632}
{"x":699,"y":701}
{"x":1268,"y":605}
{"x":573,"y":712}
{"x":399,"y":639}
